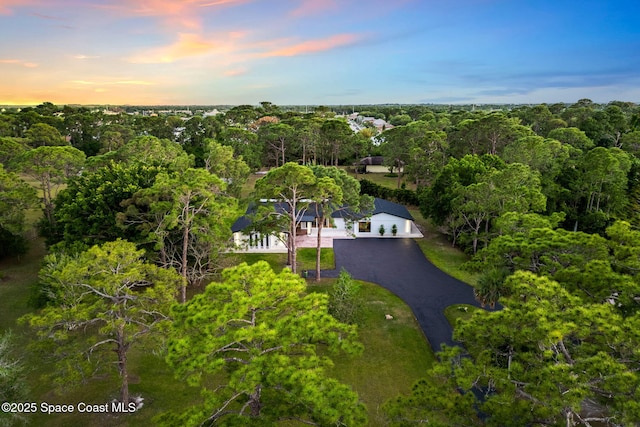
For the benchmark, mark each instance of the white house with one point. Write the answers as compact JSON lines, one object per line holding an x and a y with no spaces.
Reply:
{"x":388,"y":220}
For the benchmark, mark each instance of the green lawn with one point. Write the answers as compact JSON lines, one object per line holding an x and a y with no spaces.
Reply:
{"x":456,"y":312}
{"x":381,"y":179}
{"x":396,"y":351}
{"x":439,"y":251}
{"x":306,"y":259}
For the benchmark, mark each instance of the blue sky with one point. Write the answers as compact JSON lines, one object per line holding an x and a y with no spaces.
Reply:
{"x":318,"y":51}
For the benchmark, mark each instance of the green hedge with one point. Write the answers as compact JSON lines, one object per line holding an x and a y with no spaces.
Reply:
{"x":399,"y":195}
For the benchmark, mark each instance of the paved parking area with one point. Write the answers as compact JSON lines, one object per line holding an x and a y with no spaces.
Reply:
{"x":400,"y":266}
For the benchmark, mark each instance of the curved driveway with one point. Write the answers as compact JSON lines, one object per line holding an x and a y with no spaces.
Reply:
{"x":400,"y":266}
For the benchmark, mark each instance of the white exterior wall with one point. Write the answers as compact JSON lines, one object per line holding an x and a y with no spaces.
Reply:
{"x":403,"y":225}
{"x":379,"y":169}
{"x":339,"y":223}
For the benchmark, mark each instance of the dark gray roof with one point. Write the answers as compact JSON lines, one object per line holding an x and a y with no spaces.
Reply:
{"x":245,"y":220}
{"x":391,"y":208}
{"x":372,"y":160}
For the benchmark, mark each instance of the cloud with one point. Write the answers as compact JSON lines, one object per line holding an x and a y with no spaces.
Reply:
{"x":313,"y":46}
{"x":188,"y":45}
{"x":236,"y":72}
{"x":314,"y":7}
{"x":47,"y":17}
{"x":6,"y":6}
{"x":19,"y":62}
{"x":83,"y":57}
{"x":114,"y":82}
{"x":183,"y":14}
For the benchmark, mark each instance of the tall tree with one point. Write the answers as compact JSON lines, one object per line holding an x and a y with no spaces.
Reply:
{"x":106,"y":298}
{"x":277,"y":139}
{"x":327,"y":191}
{"x":150,"y":150}
{"x":603,"y":179}
{"x":51,"y":167}
{"x":83,"y":127}
{"x":241,"y":115}
{"x":548,"y":358}
{"x":11,"y":149}
{"x":16,"y":196}
{"x":547,"y":156}
{"x":197,"y":131}
{"x":292,"y":185}
{"x":246,"y":144}
{"x":255,"y":336}
{"x":43,"y":134}
{"x":489,"y":133}
{"x":13,"y":381}
{"x":335,"y":134}
{"x":437,"y":201}
{"x":572,"y":136}
{"x":188,"y":218}
{"x":220,"y":160}
{"x":86,"y":211}
{"x":307,"y":138}
{"x":514,"y":188}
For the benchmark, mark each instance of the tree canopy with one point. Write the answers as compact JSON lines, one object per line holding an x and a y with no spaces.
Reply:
{"x":252,"y":342}
{"x":106,"y":298}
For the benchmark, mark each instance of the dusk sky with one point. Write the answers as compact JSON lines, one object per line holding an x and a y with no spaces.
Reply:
{"x":318,"y":51}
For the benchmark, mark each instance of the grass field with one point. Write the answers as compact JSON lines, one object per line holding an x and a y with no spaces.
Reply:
{"x":381,"y":179}
{"x":439,"y":251}
{"x":306,"y":259}
{"x":396,"y":351}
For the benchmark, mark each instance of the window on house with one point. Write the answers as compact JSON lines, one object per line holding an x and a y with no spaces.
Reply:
{"x":364,"y":226}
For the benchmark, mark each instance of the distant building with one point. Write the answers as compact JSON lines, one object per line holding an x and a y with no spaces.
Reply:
{"x":374,"y":164}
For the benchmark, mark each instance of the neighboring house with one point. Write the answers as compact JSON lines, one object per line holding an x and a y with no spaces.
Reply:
{"x":374,"y":164}
{"x":385,"y":213}
{"x":380,"y":124}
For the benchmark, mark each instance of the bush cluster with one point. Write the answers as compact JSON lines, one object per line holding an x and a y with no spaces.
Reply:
{"x":399,"y":195}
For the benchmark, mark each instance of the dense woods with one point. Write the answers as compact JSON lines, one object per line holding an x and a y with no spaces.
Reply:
{"x":545,"y":199}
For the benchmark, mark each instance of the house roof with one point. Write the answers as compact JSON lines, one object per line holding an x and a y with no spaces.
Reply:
{"x":309,"y":215}
{"x":391,"y":208}
{"x":372,"y":160}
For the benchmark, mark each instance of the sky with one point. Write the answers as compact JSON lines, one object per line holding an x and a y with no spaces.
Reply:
{"x":318,"y":52}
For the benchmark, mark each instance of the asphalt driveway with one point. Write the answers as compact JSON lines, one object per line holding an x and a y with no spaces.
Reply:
{"x":400,"y":266}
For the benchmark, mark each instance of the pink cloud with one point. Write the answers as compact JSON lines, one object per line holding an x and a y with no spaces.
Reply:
{"x":235,"y":72}
{"x":182,"y":14}
{"x":112,"y":82}
{"x":82,"y":57}
{"x":313,"y":46}
{"x":48,"y":17}
{"x":188,"y":45}
{"x":314,"y":7}
{"x":19,"y":62}
{"x":6,"y":6}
